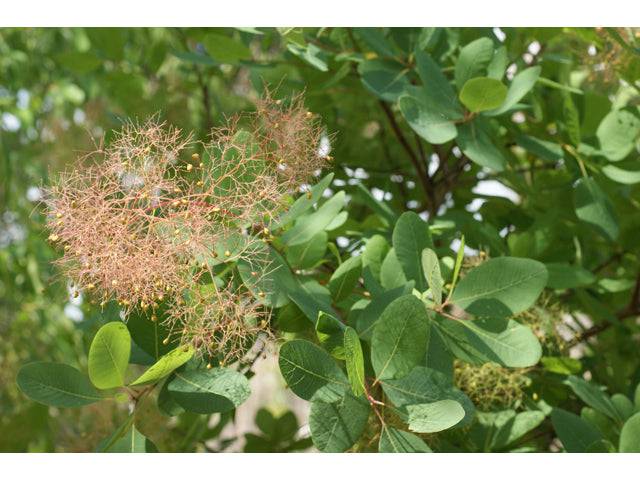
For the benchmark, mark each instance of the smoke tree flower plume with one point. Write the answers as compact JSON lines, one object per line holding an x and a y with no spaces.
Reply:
{"x":157,"y":222}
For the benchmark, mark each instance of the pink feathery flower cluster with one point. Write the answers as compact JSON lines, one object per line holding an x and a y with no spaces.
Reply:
{"x":152,"y":223}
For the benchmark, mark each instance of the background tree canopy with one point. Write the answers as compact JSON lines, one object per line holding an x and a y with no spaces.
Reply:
{"x":463,"y":276}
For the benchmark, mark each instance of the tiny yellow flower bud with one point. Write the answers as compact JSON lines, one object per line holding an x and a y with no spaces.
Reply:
{"x":261,"y":294}
{"x":309,"y":114}
{"x":189,"y":167}
{"x":201,"y":164}
{"x":154,"y":318}
{"x":254,"y":274}
{"x":309,"y":195}
{"x":199,"y":183}
{"x":58,"y":215}
{"x":53,"y":238}
{"x":227,"y":253}
{"x":367,"y":294}
{"x":195,"y":156}
{"x":209,"y":366}
{"x":165,"y":341}
{"x":74,"y":204}
{"x":114,"y":282}
{"x":216,"y":209}
{"x":91,"y":286}
{"x":265,"y":231}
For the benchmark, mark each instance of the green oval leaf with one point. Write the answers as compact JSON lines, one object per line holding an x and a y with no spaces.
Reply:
{"x":425,"y":385}
{"x":336,"y":426}
{"x":425,"y":121}
{"x":473,"y":61}
{"x":475,"y":143}
{"x":434,"y":417}
{"x":345,"y":278}
{"x":501,"y":286}
{"x":497,"y":340}
{"x":311,"y":372}
{"x":217,"y":390}
{"x":400,"y":338}
{"x":109,"y":355}
{"x":56,"y":384}
{"x":618,"y":133}
{"x":482,"y":93}
{"x":630,"y":435}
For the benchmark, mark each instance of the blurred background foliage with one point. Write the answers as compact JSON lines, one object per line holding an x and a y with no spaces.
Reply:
{"x":63,"y":90}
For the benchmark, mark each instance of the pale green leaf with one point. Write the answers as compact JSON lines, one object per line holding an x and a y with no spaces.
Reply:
{"x":165,"y":365}
{"x":354,"y":361}
{"x":434,"y":417}
{"x":483,"y":93}
{"x":109,"y":355}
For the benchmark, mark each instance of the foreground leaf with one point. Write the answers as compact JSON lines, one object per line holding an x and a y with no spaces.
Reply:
{"x":501,"y":286}
{"x":337,"y":425}
{"x":109,"y":355}
{"x":498,"y":340}
{"x":483,"y":93}
{"x":217,"y":390}
{"x":167,"y":364}
{"x":354,"y":360}
{"x":56,"y":384}
{"x":434,"y":417}
{"x":630,"y":435}
{"x":400,"y":338}
{"x":309,"y":371}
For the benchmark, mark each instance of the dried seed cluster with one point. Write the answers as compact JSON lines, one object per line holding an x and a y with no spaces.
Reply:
{"x":148,"y":220}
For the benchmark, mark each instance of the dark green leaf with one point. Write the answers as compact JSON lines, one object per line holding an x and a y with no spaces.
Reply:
{"x":56,"y":384}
